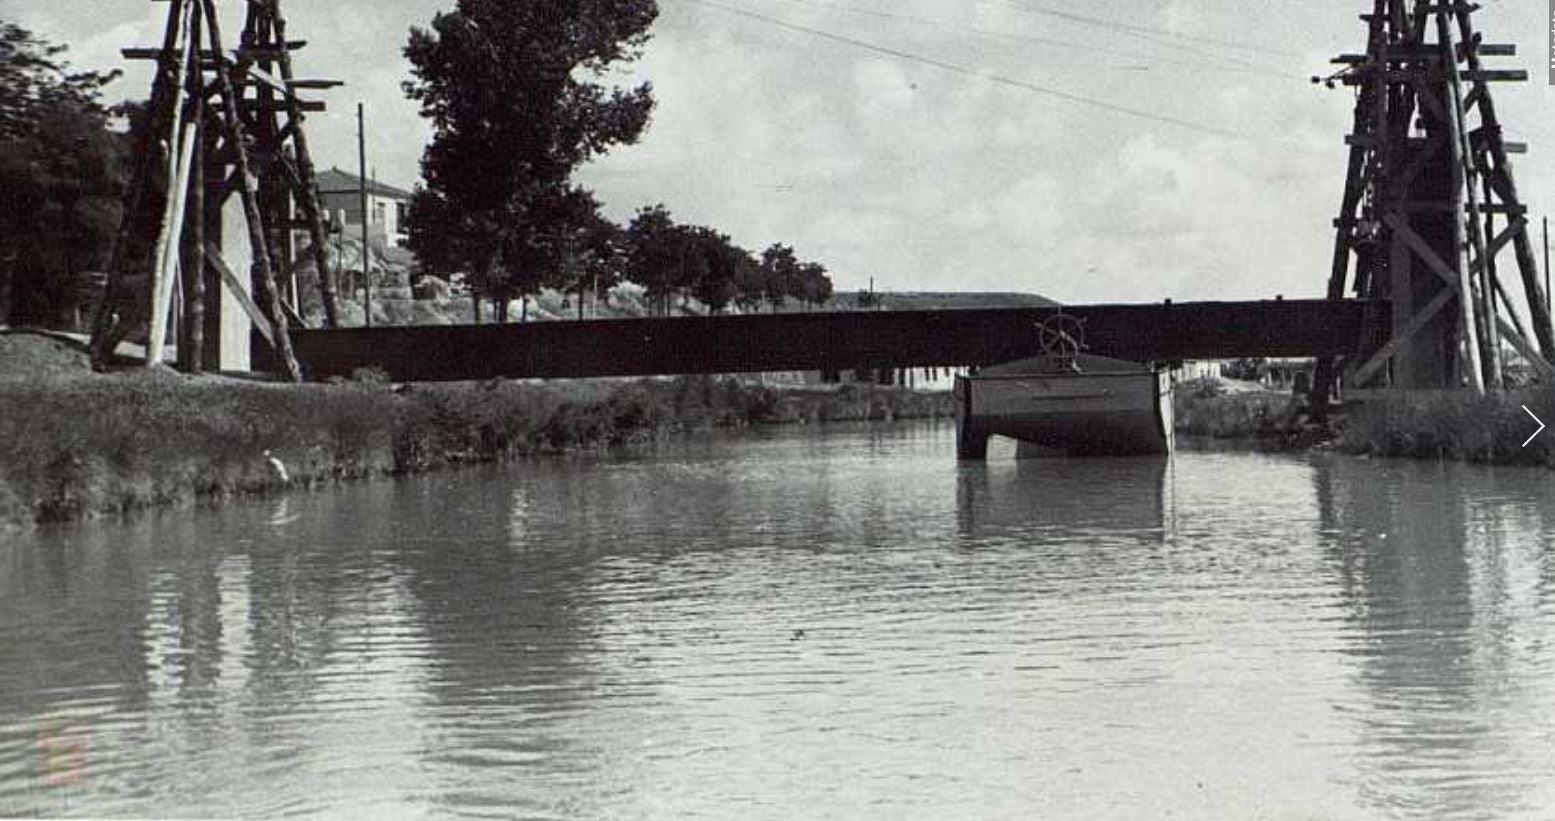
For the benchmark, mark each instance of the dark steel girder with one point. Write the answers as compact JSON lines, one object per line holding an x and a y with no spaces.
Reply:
{"x":824,"y":341}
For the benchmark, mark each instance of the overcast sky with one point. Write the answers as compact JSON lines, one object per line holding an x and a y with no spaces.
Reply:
{"x":919,"y":142}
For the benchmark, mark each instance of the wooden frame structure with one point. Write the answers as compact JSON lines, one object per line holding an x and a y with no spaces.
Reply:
{"x":220,"y":124}
{"x":1429,"y":204}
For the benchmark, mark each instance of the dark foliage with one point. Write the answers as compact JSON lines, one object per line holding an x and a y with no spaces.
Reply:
{"x":62,"y":175}
{"x":515,"y":95}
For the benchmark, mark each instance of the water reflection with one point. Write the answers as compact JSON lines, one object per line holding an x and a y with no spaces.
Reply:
{"x":508,"y":632}
{"x":1064,"y":498}
{"x":1445,"y":570}
{"x":801,"y":623}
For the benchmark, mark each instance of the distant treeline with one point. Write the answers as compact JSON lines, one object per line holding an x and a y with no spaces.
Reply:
{"x":671,"y":261}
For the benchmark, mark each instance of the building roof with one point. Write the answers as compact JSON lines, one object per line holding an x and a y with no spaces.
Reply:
{"x":335,"y":181}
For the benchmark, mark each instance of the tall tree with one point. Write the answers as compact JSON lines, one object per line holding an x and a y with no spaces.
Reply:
{"x":61,"y":179}
{"x":750,"y":283}
{"x":35,"y":83}
{"x":719,"y":270}
{"x":516,"y":95}
{"x":654,"y":241}
{"x":815,"y":288}
{"x":596,"y":260}
{"x":780,"y":269}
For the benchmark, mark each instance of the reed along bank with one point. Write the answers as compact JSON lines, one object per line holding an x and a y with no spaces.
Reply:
{"x":105,"y":444}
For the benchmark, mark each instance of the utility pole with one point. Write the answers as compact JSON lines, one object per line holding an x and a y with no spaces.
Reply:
{"x":361,"y":180}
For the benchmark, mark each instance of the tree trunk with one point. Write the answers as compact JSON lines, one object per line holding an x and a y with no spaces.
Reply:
{"x":502,"y":307}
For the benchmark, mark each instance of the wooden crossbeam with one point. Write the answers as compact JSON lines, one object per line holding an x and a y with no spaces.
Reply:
{"x":245,"y":53}
{"x":240,"y":292}
{"x":1436,"y":206}
{"x":154,"y":54}
{"x":1507,"y":234}
{"x":1494,"y":75}
{"x":1400,"y":75}
{"x":271,"y":50}
{"x":1534,"y":358}
{"x":267,"y":78}
{"x":1394,"y":345}
{"x":1487,"y":50}
{"x":310,"y":106}
{"x":1402,"y":230}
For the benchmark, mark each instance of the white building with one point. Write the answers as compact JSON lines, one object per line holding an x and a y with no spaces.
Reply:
{"x":342,"y":200}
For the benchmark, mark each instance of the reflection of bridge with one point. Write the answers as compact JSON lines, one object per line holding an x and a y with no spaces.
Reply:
{"x":826,"y":341}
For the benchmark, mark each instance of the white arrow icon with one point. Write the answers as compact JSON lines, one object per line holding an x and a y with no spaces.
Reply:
{"x":1537,"y":432}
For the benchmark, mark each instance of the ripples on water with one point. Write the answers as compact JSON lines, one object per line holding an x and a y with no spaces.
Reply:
{"x":806,"y":624}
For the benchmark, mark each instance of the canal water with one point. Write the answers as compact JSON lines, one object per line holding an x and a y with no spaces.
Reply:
{"x":810,"y":623}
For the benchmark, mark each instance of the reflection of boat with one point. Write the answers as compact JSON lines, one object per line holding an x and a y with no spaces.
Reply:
{"x":1057,"y":500}
{"x":1078,"y":404}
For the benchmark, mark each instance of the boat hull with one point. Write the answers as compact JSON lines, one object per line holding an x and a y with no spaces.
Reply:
{"x":1091,"y":414}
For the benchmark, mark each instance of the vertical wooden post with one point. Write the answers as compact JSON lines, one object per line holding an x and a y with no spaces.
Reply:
{"x":191,"y":330}
{"x":1491,"y":286}
{"x":1479,"y":315}
{"x":971,"y":439}
{"x":169,"y":238}
{"x":213,"y":202}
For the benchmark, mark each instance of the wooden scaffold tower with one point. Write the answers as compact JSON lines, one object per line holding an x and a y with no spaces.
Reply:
{"x":1429,"y":205}
{"x":223,"y":179}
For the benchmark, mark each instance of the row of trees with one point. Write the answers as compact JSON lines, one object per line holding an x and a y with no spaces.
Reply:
{"x":517,"y":98}
{"x":668,"y":259}
{"x":63,"y":172}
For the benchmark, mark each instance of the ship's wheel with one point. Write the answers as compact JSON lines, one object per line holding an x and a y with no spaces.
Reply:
{"x":1061,"y":335}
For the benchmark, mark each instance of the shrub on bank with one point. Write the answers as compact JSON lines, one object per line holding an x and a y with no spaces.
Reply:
{"x":89,"y":446}
{"x":1460,"y":426}
{"x":1204,"y":408}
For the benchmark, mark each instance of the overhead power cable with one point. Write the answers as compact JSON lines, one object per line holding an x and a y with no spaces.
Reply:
{"x":1233,"y":66}
{"x":983,"y":75}
{"x":1135,"y":28}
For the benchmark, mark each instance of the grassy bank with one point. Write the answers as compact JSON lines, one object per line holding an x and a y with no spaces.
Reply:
{"x":1458,"y":426}
{"x":90,"y":446}
{"x":1489,"y":428}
